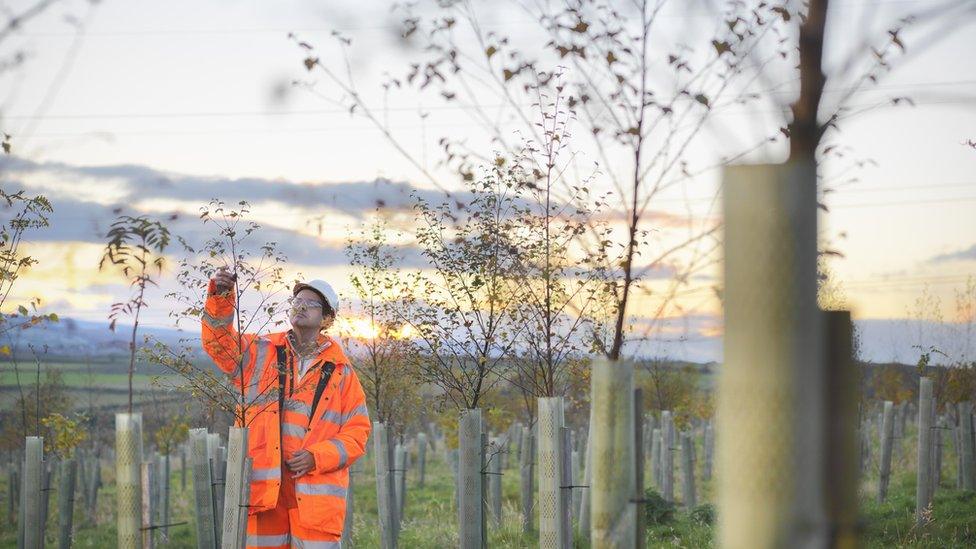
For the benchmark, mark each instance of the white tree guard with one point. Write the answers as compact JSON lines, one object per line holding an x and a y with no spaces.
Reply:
{"x":668,"y":446}
{"x":923,"y":486}
{"x":612,"y":445}
{"x":66,"y":500}
{"x":470,"y":482}
{"x":421,"y":459}
{"x":688,"y":471}
{"x":887,"y":445}
{"x":966,"y":443}
{"x":128,"y":485}
{"x":400,"y":480}
{"x":584,"y":507}
{"x":769,"y":406}
{"x":526,"y":477}
{"x":656,"y":458}
{"x":385,"y":491}
{"x":148,"y":473}
{"x":235,"y":507}
{"x":549,"y":461}
{"x":203,"y":489}
{"x":495,"y":453}
{"x":31,"y":532}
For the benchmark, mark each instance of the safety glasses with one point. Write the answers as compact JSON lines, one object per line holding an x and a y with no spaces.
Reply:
{"x":299,"y":304}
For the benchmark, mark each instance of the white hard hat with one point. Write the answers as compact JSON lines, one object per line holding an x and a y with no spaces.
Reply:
{"x":321,"y":287}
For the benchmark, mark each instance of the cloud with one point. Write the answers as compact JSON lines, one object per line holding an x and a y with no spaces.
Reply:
{"x":86,"y":199}
{"x":969,"y":254}
{"x":142,"y":183}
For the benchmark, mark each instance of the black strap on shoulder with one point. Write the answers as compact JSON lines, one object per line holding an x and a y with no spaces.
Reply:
{"x":282,"y":374}
{"x":327,"y":370}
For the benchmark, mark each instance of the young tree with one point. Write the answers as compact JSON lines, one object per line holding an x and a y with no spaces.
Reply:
{"x":387,"y":359}
{"x":561,"y":272}
{"x":21,"y":213}
{"x":258,"y":297}
{"x":136,"y":245}
{"x":462,"y":310}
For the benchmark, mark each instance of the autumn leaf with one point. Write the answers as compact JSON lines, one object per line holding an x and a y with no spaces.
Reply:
{"x":721,"y":47}
{"x":702,"y":99}
{"x":492,"y":50}
{"x":611,"y":58}
{"x":310,"y":62}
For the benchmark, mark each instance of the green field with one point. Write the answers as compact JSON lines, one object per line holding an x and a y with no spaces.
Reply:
{"x":99,"y":384}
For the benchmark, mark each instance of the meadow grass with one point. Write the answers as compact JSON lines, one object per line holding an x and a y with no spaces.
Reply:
{"x":430,"y":518}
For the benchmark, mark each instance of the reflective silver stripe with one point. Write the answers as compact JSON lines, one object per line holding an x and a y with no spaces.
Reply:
{"x":310,"y":544}
{"x":292,"y":430}
{"x":255,"y":381}
{"x":342,"y":419}
{"x":360,"y":410}
{"x":333,"y":416}
{"x":343,"y":455}
{"x":298,"y":406}
{"x":320,"y":490}
{"x":217,"y":321}
{"x":255,"y":540}
{"x":271,"y":473}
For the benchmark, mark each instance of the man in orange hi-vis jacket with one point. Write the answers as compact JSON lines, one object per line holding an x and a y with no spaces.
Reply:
{"x":306,"y":412}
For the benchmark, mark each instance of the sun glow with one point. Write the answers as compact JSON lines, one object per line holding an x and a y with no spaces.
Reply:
{"x":363,"y":328}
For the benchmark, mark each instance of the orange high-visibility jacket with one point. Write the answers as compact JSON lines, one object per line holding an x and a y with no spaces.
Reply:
{"x":335,"y":433}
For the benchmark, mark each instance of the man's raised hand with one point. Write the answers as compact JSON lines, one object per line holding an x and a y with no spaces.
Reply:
{"x":223,"y":280}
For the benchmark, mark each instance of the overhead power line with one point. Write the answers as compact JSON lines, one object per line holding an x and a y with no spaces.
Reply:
{"x":457,"y":106}
{"x":509,"y":23}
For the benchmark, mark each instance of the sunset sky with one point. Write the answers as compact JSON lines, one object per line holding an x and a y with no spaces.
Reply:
{"x":156,"y":107}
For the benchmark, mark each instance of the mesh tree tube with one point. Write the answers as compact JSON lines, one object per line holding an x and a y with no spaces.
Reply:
{"x":66,"y":500}
{"x":526,"y":477}
{"x":202,"y":489}
{"x":470,"y":482}
{"x":421,"y":459}
{"x":887,"y":445}
{"x":923,"y":485}
{"x":495,"y":480}
{"x":235,"y":507}
{"x":148,"y":474}
{"x":385,"y":492}
{"x":400,"y":481}
{"x":612,"y":445}
{"x":966,"y":443}
{"x":31,"y":534}
{"x":549,"y":462}
{"x":688,"y":471}
{"x":769,"y":407}
{"x":668,"y":445}
{"x":128,"y":485}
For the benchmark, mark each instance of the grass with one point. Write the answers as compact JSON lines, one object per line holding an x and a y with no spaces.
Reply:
{"x":431,"y":519}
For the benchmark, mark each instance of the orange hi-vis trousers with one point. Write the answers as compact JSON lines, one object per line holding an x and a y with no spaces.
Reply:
{"x":280,"y":528}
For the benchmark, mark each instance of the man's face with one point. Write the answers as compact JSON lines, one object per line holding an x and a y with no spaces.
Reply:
{"x":306,"y":311}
